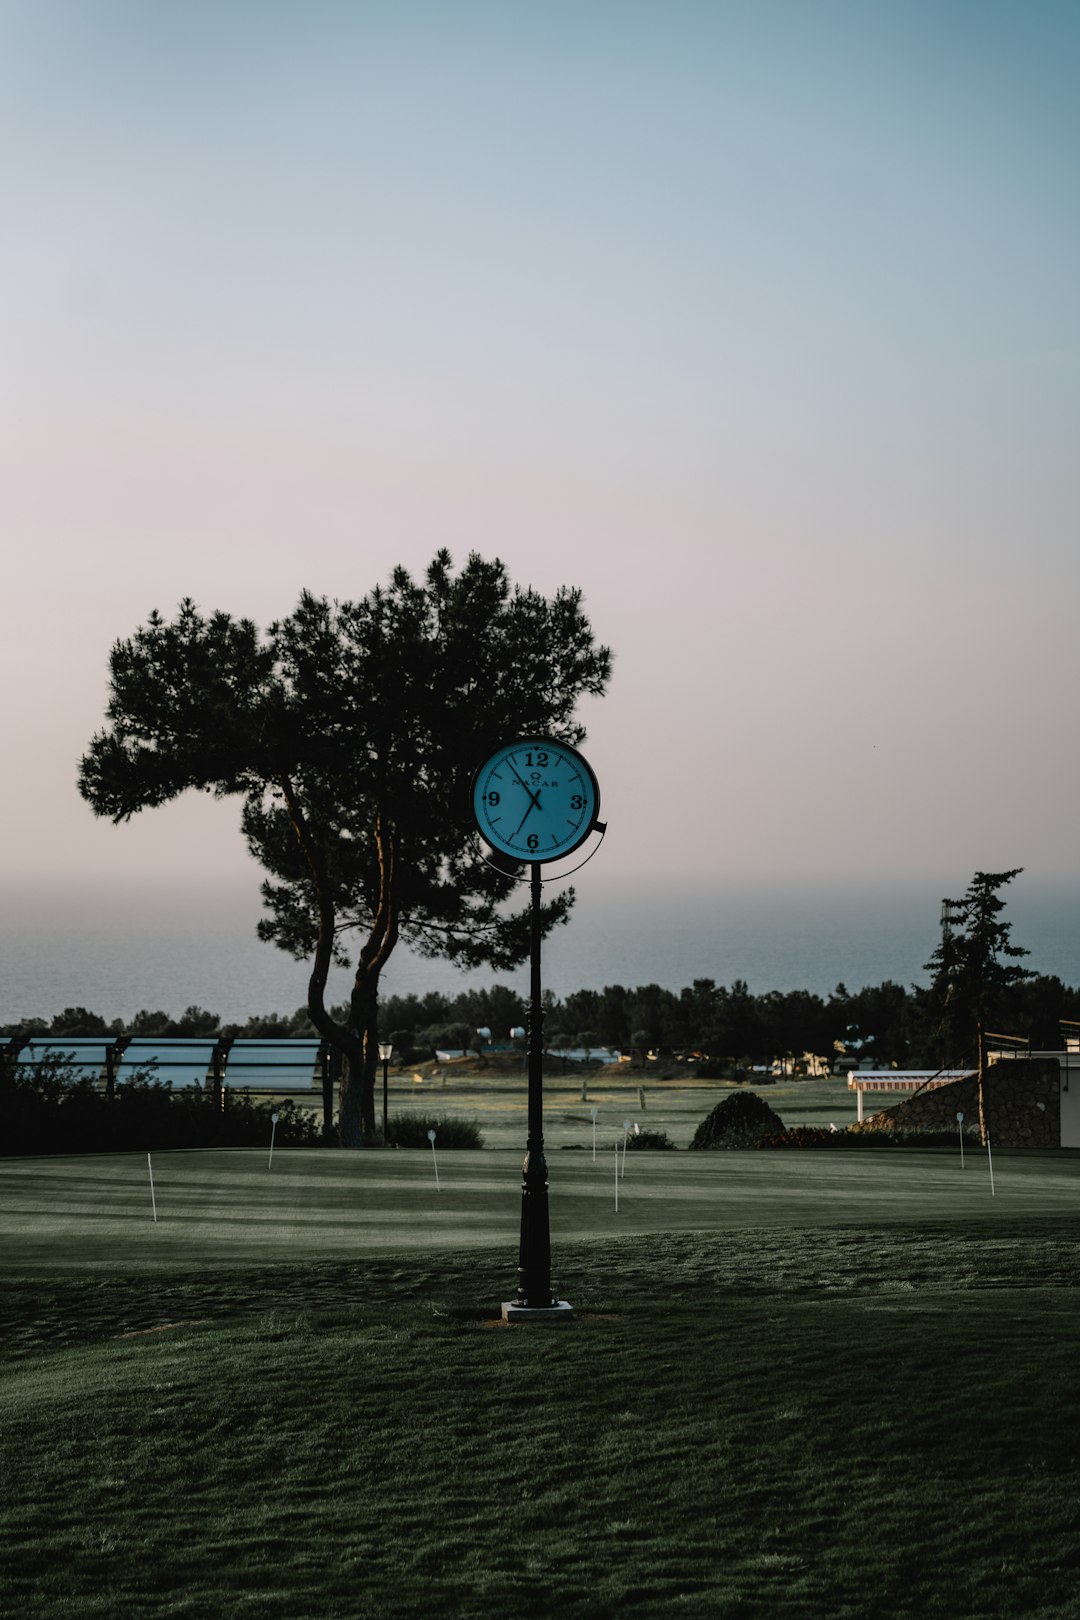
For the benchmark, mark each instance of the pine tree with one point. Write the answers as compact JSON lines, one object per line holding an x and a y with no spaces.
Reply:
{"x":974,"y":968}
{"x":349,"y":733}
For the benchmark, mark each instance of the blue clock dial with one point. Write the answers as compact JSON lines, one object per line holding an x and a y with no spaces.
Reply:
{"x":535,"y":800}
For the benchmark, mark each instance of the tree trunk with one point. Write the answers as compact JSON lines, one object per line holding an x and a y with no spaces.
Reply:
{"x":358,"y":1086}
{"x":359,"y":1043}
{"x":342,"y":1041}
{"x":357,"y":1115}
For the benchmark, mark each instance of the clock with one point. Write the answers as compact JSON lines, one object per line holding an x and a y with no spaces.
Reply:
{"x":535,"y":800}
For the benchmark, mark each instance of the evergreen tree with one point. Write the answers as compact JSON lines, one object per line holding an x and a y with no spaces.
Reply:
{"x":975,"y":968}
{"x":349,"y":732}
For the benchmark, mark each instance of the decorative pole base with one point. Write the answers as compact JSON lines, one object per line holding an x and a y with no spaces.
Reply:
{"x":558,"y":1311}
{"x":534,"y":1249}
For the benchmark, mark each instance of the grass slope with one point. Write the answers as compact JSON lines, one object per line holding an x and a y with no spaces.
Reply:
{"x":794,"y":1387}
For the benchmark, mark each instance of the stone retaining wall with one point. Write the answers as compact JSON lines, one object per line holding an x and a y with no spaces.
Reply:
{"x":1022,"y":1097}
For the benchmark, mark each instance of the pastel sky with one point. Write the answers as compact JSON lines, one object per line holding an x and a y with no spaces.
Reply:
{"x":758,"y":320}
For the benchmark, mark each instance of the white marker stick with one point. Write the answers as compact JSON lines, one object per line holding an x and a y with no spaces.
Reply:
{"x":434,"y":1160}
{"x":594,"y":1112}
{"x":960,"y":1128}
{"x":990,"y":1159}
{"x":153,"y":1200}
{"x":273,"y":1128}
{"x":616,"y":1175}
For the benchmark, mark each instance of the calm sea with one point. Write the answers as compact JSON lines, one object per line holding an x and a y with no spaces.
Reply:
{"x":117,"y":953}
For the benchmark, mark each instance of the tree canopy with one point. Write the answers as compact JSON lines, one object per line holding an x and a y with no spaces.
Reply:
{"x":350,"y":731}
{"x":975,"y":966}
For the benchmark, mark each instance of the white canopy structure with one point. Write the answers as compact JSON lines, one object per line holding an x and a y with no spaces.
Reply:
{"x":909,"y":1080}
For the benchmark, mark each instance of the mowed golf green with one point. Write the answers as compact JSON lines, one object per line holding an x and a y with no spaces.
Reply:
{"x":797,"y":1384}
{"x":230,"y":1207}
{"x":498,"y":1102}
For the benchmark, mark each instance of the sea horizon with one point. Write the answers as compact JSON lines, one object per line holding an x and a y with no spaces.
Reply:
{"x":152,"y":946}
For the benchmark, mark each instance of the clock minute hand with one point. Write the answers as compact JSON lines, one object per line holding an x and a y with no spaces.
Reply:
{"x":535,"y":797}
{"x":534,"y":800}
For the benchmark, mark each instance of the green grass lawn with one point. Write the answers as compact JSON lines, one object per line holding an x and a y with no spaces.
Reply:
{"x":498,"y":1103}
{"x":227,"y":1208}
{"x":796,"y":1385}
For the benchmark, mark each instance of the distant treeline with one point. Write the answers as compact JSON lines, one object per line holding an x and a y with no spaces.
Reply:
{"x":888,"y":1022}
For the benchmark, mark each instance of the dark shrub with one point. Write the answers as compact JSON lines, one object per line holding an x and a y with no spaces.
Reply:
{"x":51,"y":1108}
{"x":741,"y":1120}
{"x":649,"y":1139}
{"x":411,"y":1131}
{"x":850,"y":1138}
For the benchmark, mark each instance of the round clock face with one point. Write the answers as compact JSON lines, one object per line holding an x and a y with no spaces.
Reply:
{"x":535,"y":800}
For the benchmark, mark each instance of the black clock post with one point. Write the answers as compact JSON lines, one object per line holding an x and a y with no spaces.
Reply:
{"x":535,"y":801}
{"x":534,"y":1249}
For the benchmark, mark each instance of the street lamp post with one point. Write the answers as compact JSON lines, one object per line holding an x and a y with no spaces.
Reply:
{"x":386,"y":1052}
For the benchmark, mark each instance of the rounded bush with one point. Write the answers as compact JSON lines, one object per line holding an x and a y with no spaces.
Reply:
{"x":741,"y":1119}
